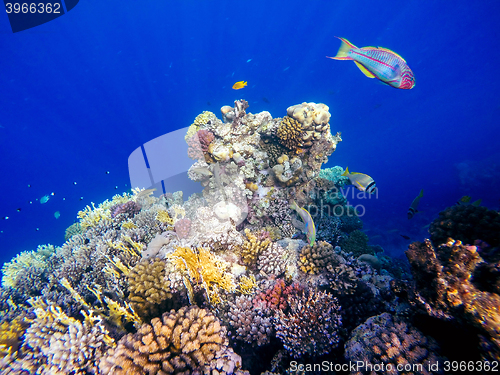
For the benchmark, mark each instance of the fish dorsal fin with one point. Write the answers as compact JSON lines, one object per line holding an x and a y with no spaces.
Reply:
{"x":388,"y":50}
{"x":364,"y":70}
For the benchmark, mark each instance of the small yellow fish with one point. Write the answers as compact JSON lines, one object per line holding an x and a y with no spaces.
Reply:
{"x":239,"y":85}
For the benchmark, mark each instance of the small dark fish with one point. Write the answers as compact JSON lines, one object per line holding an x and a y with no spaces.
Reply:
{"x":107,"y":172}
{"x":208,"y":103}
{"x":81,"y":198}
{"x":405,"y":237}
{"x":74,"y":183}
{"x":5,"y":218}
{"x":414,"y":205}
{"x":18,"y":210}
{"x":265,"y":100}
{"x":29,"y":185}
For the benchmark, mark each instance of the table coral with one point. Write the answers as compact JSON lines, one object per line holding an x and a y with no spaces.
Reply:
{"x":183,"y":341}
{"x":388,"y":341}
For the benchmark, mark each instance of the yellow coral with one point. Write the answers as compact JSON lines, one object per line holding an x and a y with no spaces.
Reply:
{"x":247,"y":284}
{"x":10,"y":334}
{"x":117,"y":312}
{"x":252,"y":248}
{"x":201,"y":120}
{"x":164,"y":217}
{"x":65,"y":283}
{"x":24,"y":260}
{"x":128,"y":225}
{"x":91,"y":217}
{"x":203,"y":267}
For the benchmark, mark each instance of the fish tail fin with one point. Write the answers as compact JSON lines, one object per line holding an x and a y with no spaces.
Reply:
{"x":294,"y":206}
{"x":421,"y":193}
{"x":345,"y":47}
{"x":346,"y":172}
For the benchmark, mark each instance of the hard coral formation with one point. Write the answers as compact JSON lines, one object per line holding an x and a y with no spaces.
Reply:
{"x":149,"y":287}
{"x":467,"y":224}
{"x":384,"y":342}
{"x":249,"y":321}
{"x":180,"y":342}
{"x":311,"y":324}
{"x":314,"y":260}
{"x":356,"y":243}
{"x":447,"y":286}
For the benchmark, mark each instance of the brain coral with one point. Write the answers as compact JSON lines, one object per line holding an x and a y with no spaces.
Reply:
{"x":466,"y":223}
{"x":181,"y":342}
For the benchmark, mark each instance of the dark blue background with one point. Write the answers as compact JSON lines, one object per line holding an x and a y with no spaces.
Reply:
{"x":80,"y":93}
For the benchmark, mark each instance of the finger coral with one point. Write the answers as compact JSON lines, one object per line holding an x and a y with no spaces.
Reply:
{"x":180,"y":342}
{"x":252,"y":247}
{"x":250,"y":322}
{"x":314,"y":260}
{"x":387,"y":341}
{"x":149,"y":288}
{"x":311,"y":325}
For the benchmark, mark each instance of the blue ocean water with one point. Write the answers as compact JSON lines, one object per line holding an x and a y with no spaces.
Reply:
{"x":80,"y":93}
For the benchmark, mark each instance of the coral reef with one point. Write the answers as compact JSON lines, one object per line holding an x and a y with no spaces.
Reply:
{"x":182,"y":227}
{"x":183,"y":341}
{"x":384,"y":342}
{"x":314,"y":260}
{"x":356,"y":243}
{"x":467,"y":224}
{"x":311,"y":324}
{"x":447,"y":286}
{"x":250,"y":322}
{"x":73,"y":229}
{"x":149,"y":288}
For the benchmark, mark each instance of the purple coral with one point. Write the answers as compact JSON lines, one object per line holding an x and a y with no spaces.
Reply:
{"x":311,"y":325}
{"x":182,"y":227}
{"x":128,"y":209}
{"x":198,"y":144}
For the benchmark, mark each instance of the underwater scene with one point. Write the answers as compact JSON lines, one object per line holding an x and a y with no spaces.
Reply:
{"x":256,"y":187}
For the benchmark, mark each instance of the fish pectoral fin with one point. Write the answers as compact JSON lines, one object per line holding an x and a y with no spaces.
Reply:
{"x":365,"y":71}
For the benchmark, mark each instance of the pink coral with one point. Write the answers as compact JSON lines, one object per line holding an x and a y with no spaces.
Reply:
{"x":182,"y":227}
{"x":198,"y":144}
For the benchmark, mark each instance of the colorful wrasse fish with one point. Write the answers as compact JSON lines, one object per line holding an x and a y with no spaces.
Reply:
{"x":414,"y":205}
{"x":239,"y":85}
{"x":308,"y":221}
{"x":361,"y":181}
{"x":378,"y":62}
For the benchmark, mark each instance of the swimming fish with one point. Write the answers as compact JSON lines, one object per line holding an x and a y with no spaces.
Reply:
{"x":405,"y":237}
{"x":57,"y":214}
{"x":239,"y":85}
{"x":44,"y":199}
{"x":378,"y":62}
{"x":464,"y":200}
{"x":202,"y":170}
{"x":310,"y":229}
{"x":361,"y":181}
{"x":414,"y":205}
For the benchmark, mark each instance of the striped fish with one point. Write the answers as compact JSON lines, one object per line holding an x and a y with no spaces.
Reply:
{"x":310,"y":229}
{"x":414,"y":205}
{"x":378,"y":62}
{"x":361,"y":181}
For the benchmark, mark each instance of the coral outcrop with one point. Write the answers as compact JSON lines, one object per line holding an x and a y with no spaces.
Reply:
{"x":467,"y":224}
{"x":450,"y":286}
{"x":384,"y":342}
{"x":180,"y":342}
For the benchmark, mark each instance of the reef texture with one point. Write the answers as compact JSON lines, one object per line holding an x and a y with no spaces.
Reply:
{"x":181,"y":342}
{"x":387,"y":342}
{"x":467,"y":224}
{"x":451,"y":282}
{"x":151,"y":283}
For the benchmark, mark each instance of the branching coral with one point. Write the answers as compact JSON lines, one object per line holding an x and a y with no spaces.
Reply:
{"x":250,"y":322}
{"x":387,"y":341}
{"x":314,"y":260}
{"x":149,"y":288}
{"x":252,"y":247}
{"x":311,"y":324}
{"x":181,"y":342}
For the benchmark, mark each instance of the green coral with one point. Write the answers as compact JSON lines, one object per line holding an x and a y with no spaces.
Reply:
{"x":356,"y":243}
